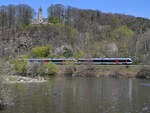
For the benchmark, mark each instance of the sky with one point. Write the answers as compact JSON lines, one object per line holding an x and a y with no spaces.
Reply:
{"x":138,"y":8}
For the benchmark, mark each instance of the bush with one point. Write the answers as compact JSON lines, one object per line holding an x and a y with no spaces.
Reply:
{"x":41,"y":52}
{"x":67,"y":53}
{"x":80,"y":54}
{"x":50,"y":68}
{"x":28,"y":27}
{"x":20,"y":66}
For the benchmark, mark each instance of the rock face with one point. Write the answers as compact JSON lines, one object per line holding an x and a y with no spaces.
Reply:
{"x":14,"y":44}
{"x":110,"y":50}
{"x":60,"y":50}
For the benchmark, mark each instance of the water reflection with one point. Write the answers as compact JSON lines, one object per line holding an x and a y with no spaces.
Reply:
{"x":81,"y":95}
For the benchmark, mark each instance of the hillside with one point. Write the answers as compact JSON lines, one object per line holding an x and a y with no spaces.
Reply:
{"x":73,"y":30}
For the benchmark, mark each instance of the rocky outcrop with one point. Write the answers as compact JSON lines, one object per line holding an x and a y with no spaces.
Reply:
{"x":20,"y":79}
{"x":144,"y":72}
{"x":110,"y":49}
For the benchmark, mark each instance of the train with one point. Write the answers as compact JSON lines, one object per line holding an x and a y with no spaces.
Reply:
{"x":94,"y":61}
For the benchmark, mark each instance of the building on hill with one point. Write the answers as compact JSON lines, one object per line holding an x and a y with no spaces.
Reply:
{"x":40,"y":19}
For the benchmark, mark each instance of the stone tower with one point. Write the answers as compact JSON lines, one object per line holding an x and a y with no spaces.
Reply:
{"x":40,"y":15}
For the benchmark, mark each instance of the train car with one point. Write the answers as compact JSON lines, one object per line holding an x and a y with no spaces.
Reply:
{"x":54,"y":60}
{"x":40,"y":60}
{"x":84,"y":61}
{"x":63,"y":60}
{"x":102,"y":61}
{"x":98,"y":61}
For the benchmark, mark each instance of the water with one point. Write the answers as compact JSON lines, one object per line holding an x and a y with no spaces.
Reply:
{"x":82,"y":95}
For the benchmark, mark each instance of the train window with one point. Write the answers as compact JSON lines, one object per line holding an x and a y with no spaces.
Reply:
{"x":97,"y":60}
{"x":108,"y":61}
{"x":129,"y":60}
{"x":104,"y":61}
{"x":82,"y":60}
{"x":57,"y":60}
{"x":122,"y":60}
{"x":111,"y":61}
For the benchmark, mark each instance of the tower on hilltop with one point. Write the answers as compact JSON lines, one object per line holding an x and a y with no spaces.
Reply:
{"x":40,"y":19}
{"x":40,"y":15}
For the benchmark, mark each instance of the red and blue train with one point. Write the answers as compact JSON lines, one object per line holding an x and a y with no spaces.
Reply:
{"x":95,"y":61}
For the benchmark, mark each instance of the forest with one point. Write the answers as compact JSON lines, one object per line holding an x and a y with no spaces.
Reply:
{"x":74,"y":32}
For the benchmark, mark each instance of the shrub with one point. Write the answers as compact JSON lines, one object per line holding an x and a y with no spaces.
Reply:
{"x":80,"y":54}
{"x":67,"y":53}
{"x":70,"y":70}
{"x":28,"y":27}
{"x":20,"y":66}
{"x":50,"y":68}
{"x":41,"y":52}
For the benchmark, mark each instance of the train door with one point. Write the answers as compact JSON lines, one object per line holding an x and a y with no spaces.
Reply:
{"x":63,"y":61}
{"x":117,"y":61}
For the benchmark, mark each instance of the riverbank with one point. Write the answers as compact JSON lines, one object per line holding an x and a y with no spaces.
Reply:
{"x":19,"y":79}
{"x":113,"y":71}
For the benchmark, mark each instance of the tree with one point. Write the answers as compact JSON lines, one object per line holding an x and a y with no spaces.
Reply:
{"x":116,"y":21}
{"x":24,"y":14}
{"x":122,"y":31}
{"x":12,"y":16}
{"x":53,"y":20}
{"x":56,"y":11}
{"x":122,"y":36}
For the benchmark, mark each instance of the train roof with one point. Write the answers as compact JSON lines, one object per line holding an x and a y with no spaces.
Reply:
{"x":104,"y":58}
{"x":78,"y":59}
{"x":63,"y":59}
{"x":50,"y":59}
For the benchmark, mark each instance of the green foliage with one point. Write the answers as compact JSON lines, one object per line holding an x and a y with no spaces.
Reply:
{"x":20,"y":66}
{"x":80,"y":54}
{"x":21,"y":26}
{"x":67,"y":53}
{"x":116,"y":20}
{"x":5,"y":58}
{"x":51,"y":68}
{"x":122,"y":31}
{"x":144,"y":24}
{"x":107,"y":31}
{"x":73,"y":34}
{"x":39,"y":26}
{"x":25,"y":56}
{"x":41,"y":52}
{"x":29,"y":26}
{"x":54,"y":20}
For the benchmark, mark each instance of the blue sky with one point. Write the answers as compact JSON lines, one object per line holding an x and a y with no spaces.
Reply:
{"x":139,"y":8}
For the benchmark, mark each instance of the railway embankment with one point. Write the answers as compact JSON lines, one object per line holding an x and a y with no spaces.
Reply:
{"x":37,"y":72}
{"x":113,"y":71}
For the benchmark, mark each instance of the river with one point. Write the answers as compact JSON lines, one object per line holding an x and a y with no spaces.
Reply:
{"x":81,"y":95}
